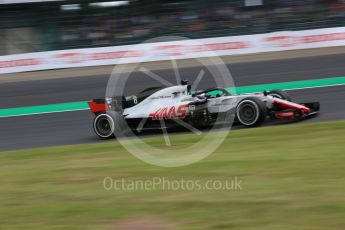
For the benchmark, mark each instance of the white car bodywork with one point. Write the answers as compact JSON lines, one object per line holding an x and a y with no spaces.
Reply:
{"x":177,"y":105}
{"x":175,"y":96}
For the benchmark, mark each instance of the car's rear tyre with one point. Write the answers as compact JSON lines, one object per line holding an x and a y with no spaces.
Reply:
{"x":280,"y":94}
{"x":103,"y":125}
{"x":251,"y":112}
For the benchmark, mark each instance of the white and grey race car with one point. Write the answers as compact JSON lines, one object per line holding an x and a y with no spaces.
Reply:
{"x":158,"y":108}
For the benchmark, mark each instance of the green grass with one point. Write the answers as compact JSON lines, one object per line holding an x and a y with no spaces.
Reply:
{"x":292,"y":178}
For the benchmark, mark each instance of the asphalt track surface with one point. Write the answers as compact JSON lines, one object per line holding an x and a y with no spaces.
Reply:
{"x":76,"y":127}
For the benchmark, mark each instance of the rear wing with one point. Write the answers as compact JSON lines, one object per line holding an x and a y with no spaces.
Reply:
{"x":102,"y":105}
{"x":98,"y":106}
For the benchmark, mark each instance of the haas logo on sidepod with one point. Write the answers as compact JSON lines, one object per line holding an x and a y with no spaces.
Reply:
{"x":170,"y":113}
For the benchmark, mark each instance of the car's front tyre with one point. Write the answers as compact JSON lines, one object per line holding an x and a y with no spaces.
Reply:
{"x":251,"y":112}
{"x":280,"y":94}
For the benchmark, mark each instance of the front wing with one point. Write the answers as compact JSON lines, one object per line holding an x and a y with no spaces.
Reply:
{"x":289,"y":110}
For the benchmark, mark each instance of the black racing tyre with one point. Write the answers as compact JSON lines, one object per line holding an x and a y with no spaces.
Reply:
{"x":103,"y":125}
{"x":280,"y":94}
{"x":251,"y":112}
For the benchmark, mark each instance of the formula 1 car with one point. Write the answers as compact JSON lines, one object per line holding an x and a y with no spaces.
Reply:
{"x":177,"y":105}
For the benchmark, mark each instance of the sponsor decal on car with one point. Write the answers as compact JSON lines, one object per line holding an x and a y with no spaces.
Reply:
{"x":172,"y":112}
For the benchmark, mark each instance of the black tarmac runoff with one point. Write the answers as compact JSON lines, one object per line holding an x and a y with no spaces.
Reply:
{"x":76,"y":127}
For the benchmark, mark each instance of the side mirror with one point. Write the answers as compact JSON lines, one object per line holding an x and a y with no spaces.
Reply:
{"x":184,"y":82}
